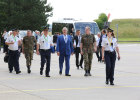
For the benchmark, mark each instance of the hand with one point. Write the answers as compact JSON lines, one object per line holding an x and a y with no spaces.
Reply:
{"x":72,"y":53}
{"x":12,"y":43}
{"x":37,"y":52}
{"x":19,"y":42}
{"x":74,"y":46}
{"x":95,"y":49}
{"x":58,"y":53}
{"x":103,"y":58}
{"x":51,"y":44}
{"x":119,"y":57}
{"x":82,"y":53}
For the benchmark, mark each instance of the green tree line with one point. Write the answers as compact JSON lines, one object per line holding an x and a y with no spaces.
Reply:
{"x":24,"y":14}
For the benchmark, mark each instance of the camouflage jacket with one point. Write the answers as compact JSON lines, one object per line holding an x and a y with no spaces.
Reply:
{"x":88,"y":43}
{"x":28,"y":43}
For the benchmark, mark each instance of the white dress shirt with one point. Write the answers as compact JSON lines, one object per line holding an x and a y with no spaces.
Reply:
{"x":97,"y":41}
{"x":65,"y":38}
{"x":45,"y":42}
{"x":14,"y":39}
{"x":106,"y":43}
{"x":5,"y":35}
{"x":79,"y":41}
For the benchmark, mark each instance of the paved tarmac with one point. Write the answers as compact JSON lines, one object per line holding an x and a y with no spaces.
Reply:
{"x":77,"y":87}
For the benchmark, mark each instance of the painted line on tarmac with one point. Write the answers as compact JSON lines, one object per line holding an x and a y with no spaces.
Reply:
{"x":62,"y":77}
{"x":67,"y":89}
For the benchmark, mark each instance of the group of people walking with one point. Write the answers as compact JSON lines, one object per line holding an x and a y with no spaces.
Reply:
{"x":81,"y":45}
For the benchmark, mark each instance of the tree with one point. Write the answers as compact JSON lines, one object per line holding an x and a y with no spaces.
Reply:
{"x":101,"y":20}
{"x":24,"y":14}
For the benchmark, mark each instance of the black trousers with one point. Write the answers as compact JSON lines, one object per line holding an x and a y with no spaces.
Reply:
{"x":110,"y":59}
{"x":99,"y":53}
{"x":5,"y":47}
{"x":0,"y":44}
{"x":13,"y":61}
{"x":45,"y":58}
{"x":77,"y":52}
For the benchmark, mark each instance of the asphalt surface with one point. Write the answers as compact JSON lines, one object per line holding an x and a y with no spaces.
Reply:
{"x":77,"y":87}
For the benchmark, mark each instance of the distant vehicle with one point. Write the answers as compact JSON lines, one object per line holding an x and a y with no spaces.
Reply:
{"x":74,"y":25}
{"x":23,"y":33}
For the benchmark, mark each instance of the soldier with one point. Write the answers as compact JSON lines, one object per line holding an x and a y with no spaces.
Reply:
{"x":88,"y":45}
{"x":13,"y":42}
{"x":28,"y":48}
{"x":45,"y":42}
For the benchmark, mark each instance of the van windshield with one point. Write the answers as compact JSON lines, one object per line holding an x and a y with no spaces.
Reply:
{"x":81,"y":26}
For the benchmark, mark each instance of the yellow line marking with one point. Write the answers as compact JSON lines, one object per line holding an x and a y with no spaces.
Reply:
{"x":39,"y":77}
{"x":68,"y":89}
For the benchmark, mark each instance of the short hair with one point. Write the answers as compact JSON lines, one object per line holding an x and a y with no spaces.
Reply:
{"x":65,"y":28}
{"x":99,"y":33}
{"x":29,"y":31}
{"x":104,"y":30}
{"x":87,"y":27}
{"x":77,"y":30}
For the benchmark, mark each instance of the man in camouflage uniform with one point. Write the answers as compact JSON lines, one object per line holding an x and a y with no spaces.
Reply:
{"x":88,"y":46}
{"x":28,"y":48}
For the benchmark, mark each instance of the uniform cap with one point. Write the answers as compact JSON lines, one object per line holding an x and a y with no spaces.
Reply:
{"x":46,"y":28}
{"x":110,"y":30}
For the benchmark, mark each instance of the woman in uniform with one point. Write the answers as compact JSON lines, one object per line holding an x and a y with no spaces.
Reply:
{"x":109,"y":49}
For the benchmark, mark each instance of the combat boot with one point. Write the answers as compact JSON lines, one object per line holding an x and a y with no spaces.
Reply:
{"x":86,"y":73}
{"x":89,"y":73}
{"x":28,"y":69}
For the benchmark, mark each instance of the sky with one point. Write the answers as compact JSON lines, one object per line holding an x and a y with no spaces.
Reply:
{"x":90,"y":9}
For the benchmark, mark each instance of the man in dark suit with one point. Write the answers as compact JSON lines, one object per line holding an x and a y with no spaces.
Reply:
{"x":77,"y":41}
{"x":55,"y":40}
{"x":103,"y":35}
{"x":64,"y":50}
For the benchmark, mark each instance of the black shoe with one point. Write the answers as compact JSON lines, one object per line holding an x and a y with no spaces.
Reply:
{"x":82,"y":67}
{"x":98,"y":59}
{"x":111,"y":83}
{"x":86,"y":74}
{"x":48,"y":76}
{"x":10,"y":71}
{"x":89,"y":73}
{"x":29,"y":71}
{"x":41,"y":72}
{"x":67,"y":75}
{"x":18,"y":72}
{"x":77,"y":67}
{"x":60,"y":73}
{"x":107,"y":82}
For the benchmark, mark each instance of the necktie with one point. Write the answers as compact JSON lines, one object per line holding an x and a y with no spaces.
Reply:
{"x":78,"y":40}
{"x":65,"y":39}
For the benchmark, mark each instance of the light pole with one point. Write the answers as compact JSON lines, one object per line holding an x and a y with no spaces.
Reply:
{"x":117,"y":31}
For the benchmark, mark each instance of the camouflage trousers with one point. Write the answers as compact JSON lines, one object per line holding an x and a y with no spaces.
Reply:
{"x":87,"y":60}
{"x":29,"y":58}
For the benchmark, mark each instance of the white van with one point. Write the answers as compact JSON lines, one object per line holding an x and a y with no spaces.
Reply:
{"x":74,"y":25}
